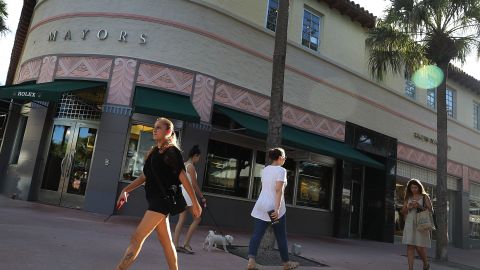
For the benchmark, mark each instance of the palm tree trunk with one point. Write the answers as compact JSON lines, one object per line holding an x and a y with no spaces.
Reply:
{"x":442,"y":150}
{"x":274,"y":138}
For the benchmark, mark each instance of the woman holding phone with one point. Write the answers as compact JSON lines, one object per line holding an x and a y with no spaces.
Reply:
{"x":270,"y":209}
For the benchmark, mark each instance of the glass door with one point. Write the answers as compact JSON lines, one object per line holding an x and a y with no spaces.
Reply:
{"x":68,"y":163}
{"x":356,"y":202}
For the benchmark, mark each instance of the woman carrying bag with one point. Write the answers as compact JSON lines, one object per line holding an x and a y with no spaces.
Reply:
{"x":163,"y":173}
{"x":417,"y":231}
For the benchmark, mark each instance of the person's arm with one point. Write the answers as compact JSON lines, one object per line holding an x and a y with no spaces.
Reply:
{"x":197,"y":210}
{"x":131,"y":187}
{"x":428,"y":203}
{"x":406,"y":206}
{"x":193,"y":175}
{"x":279,"y":187}
{"x":278,"y":197}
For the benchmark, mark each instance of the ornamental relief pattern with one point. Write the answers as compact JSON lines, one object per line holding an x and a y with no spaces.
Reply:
{"x":84,"y":67}
{"x":29,"y":71}
{"x":251,"y":102}
{"x":424,"y":159}
{"x":122,"y":82}
{"x":474,"y":174}
{"x":202,"y":98}
{"x":165,"y":77}
{"x":48,"y":69}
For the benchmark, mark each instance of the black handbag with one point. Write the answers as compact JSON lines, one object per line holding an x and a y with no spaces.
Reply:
{"x":172,"y":197}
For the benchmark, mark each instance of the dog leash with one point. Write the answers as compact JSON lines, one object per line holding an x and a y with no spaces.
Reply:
{"x":214,"y":221}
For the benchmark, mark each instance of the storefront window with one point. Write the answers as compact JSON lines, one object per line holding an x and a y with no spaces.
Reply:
{"x":139,"y":144}
{"x":228,"y":169}
{"x":474,"y":218}
{"x":314,"y":185}
{"x":260,"y":164}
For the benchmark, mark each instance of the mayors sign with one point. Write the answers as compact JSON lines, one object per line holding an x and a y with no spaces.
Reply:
{"x":100,"y":34}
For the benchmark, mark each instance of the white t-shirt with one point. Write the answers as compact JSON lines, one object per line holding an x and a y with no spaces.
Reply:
{"x":266,"y":201}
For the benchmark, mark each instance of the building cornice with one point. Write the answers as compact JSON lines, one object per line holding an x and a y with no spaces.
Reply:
{"x":20,"y":37}
{"x":354,"y":11}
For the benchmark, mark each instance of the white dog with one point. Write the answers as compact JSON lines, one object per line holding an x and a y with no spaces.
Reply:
{"x":212,"y":240}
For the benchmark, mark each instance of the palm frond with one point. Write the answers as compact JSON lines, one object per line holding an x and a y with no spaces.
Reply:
{"x":392,"y":50}
{"x":3,"y":17}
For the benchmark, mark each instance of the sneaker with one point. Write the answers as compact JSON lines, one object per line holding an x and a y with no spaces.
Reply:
{"x":290,"y":265}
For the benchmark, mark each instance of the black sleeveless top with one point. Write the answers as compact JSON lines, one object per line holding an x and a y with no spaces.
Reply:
{"x":167,"y":167}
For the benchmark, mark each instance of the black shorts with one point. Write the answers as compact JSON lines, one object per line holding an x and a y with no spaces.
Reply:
{"x":158,"y":205}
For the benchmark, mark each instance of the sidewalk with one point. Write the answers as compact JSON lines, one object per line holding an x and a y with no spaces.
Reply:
{"x":37,"y":236}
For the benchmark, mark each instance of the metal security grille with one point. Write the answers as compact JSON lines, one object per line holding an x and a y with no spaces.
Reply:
{"x":75,"y":107}
{"x":425,"y":176}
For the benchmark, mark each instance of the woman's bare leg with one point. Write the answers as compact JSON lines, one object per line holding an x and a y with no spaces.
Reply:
{"x":192,"y":228}
{"x":411,"y":256}
{"x":165,"y":237}
{"x":423,"y":254}
{"x":178,"y":228}
{"x":149,"y":221}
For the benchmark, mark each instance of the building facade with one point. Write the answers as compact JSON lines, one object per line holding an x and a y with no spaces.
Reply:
{"x":90,"y":80}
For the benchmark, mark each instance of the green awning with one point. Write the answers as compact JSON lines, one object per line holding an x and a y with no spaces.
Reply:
{"x":161,"y":103}
{"x":302,"y":139}
{"x":51,"y":91}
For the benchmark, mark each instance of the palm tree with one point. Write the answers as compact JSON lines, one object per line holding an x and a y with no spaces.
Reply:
{"x":274,"y":138}
{"x":3,"y":17}
{"x":419,"y":32}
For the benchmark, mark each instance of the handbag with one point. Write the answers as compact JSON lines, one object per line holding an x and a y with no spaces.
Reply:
{"x":173,"y":197}
{"x":425,"y":219}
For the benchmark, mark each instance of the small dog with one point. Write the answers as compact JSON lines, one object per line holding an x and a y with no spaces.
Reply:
{"x":212,"y":240}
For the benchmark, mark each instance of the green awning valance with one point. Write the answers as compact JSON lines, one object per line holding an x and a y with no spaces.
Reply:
{"x":161,"y":103}
{"x":302,"y":139}
{"x":51,"y":91}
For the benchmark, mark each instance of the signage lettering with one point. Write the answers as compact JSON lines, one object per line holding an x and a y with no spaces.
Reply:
{"x":102,"y":34}
{"x":123,"y":36}
{"x":26,"y":94}
{"x":68,"y":35}
{"x":52,"y":36}
{"x":426,"y":139}
{"x":84,"y":33}
{"x":143,"y":39}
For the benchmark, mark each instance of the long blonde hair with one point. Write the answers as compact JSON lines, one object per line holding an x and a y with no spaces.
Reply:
{"x":172,"y":137}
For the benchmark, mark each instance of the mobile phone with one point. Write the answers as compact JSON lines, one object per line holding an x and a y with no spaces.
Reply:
{"x":273,"y":221}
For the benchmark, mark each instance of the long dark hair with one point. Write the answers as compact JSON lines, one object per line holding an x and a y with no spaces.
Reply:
{"x":195,"y":151}
{"x":416,"y":182}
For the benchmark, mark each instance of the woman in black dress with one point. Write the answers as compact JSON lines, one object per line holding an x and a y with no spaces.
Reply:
{"x":163,"y":166}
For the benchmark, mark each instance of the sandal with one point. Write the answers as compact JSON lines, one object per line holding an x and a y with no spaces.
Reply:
{"x":183,"y":250}
{"x":189,"y":249}
{"x":427,"y":267}
{"x":290,"y":265}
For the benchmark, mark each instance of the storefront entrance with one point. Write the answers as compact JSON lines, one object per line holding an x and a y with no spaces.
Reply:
{"x":356,"y":202}
{"x":68,"y":162}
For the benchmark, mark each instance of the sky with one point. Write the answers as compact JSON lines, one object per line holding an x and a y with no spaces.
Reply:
{"x":14,"y":7}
